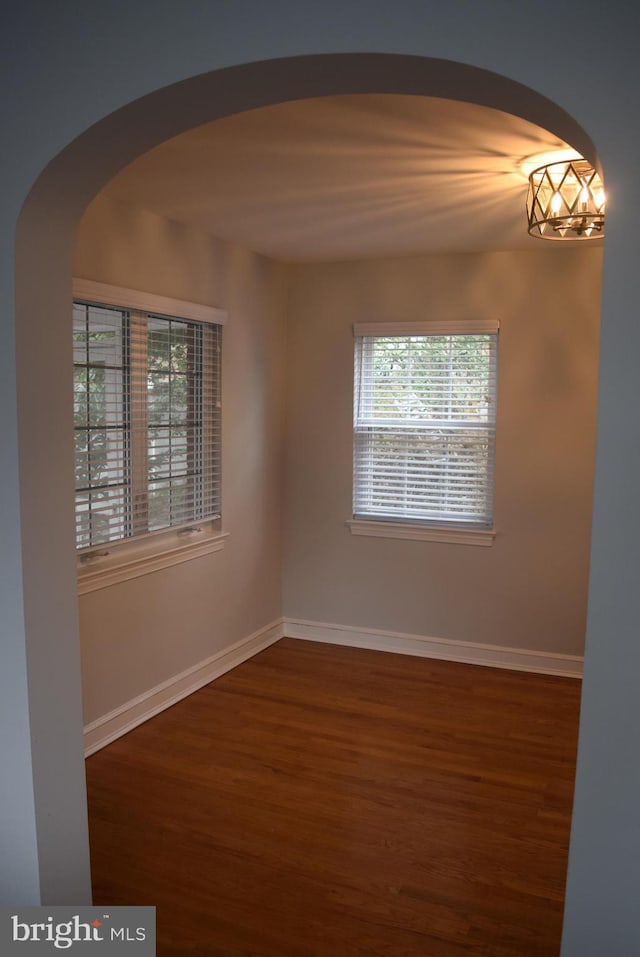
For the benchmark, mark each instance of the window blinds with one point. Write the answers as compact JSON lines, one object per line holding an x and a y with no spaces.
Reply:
{"x":424,"y":424}
{"x":147,"y":422}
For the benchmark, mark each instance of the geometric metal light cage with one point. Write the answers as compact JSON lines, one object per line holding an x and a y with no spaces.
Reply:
{"x":566,"y":201}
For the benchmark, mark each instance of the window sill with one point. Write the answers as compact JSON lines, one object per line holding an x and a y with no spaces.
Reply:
{"x":422,"y":533}
{"x":136,"y":558}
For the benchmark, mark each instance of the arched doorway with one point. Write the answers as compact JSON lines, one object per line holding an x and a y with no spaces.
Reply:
{"x":45,"y":238}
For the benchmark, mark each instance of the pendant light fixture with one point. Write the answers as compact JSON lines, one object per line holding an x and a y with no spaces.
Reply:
{"x":566,"y":201}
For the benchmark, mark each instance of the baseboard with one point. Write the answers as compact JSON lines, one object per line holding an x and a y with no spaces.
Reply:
{"x":494,"y":656}
{"x":128,"y":716}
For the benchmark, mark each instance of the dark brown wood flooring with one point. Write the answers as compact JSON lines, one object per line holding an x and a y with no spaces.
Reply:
{"x":321,"y":801}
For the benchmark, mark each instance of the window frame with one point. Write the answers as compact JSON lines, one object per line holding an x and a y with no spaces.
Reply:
{"x":102,"y":565}
{"x":411,"y":528}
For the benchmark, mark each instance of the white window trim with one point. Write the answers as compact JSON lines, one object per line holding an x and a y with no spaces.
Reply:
{"x":132,"y":558}
{"x":422,"y":533}
{"x":101,"y":566}
{"x":437,"y":327}
{"x":103,"y":294}
{"x":427,"y":531}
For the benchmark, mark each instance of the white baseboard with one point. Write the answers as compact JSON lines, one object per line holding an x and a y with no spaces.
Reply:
{"x":128,"y":716}
{"x":494,"y":656}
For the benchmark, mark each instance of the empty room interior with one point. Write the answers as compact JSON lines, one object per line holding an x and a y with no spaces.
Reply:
{"x":331,"y":697}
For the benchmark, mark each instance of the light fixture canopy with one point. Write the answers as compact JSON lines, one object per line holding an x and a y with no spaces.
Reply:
{"x":566,"y":201}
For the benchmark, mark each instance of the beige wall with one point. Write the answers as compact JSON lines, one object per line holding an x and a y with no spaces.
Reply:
{"x":529,"y":589}
{"x":139,"y":633}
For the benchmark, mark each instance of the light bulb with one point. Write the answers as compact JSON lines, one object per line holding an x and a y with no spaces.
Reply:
{"x":584,"y":199}
{"x":556,"y":203}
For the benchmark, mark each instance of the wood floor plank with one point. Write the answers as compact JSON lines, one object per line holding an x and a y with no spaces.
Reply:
{"x":321,"y":801}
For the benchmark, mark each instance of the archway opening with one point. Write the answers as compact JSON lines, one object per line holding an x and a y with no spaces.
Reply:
{"x":45,"y":242}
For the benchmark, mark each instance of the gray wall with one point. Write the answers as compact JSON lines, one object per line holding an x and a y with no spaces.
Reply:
{"x":139,"y":633}
{"x":529,"y":589}
{"x":90,"y":84}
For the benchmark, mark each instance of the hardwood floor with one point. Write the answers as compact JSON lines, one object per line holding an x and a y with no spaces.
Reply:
{"x":321,"y":801}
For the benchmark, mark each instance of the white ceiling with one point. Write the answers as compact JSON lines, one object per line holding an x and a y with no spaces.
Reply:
{"x":348,"y":177}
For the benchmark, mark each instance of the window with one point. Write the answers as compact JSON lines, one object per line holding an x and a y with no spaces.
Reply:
{"x":146,"y":416}
{"x":424,"y":426}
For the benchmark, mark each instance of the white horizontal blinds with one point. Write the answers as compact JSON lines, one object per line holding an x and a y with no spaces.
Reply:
{"x":101,"y":415}
{"x":425,"y":410}
{"x":147,"y":422}
{"x":182,"y":422}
